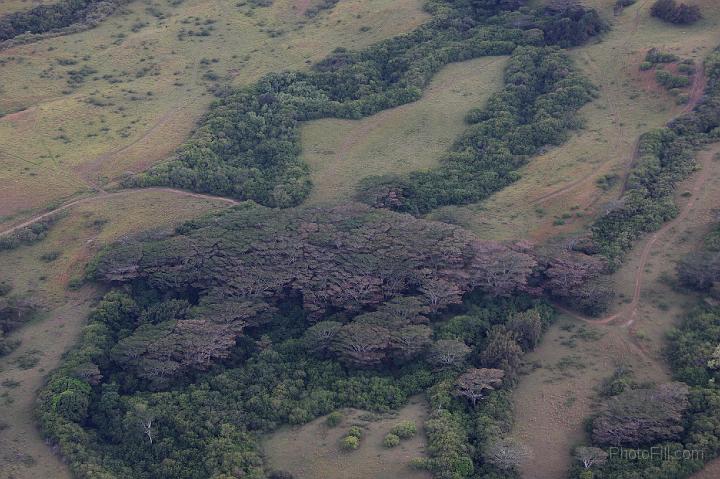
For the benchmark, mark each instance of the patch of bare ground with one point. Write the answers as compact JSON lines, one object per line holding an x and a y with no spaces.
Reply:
{"x":312,"y":451}
{"x":551,"y":406}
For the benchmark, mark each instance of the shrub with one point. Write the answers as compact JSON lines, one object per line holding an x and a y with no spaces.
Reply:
{"x":333,"y":419}
{"x":646,"y":66}
{"x":50,"y":256}
{"x":656,"y":56}
{"x":669,"y":81}
{"x":671,"y":11}
{"x":355,"y":431}
{"x":391,"y":440}
{"x":350,"y":443}
{"x":405,"y":430}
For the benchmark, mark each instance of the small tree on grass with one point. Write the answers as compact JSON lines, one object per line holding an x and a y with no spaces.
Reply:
{"x":333,"y":419}
{"x":391,"y":440}
{"x":350,"y":443}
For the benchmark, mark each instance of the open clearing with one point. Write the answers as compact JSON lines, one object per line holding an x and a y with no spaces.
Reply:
{"x":313,"y":451}
{"x":407,"y":138}
{"x":122,"y":96}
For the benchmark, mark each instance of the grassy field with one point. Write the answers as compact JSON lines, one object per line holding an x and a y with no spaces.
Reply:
{"x":313,"y":451}
{"x":122,"y":96}
{"x":82,"y":109}
{"x":407,"y":138}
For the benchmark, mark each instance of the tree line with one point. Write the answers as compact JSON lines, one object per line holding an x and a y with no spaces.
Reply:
{"x":248,"y":147}
{"x":666,"y":156}
{"x":52,"y":17}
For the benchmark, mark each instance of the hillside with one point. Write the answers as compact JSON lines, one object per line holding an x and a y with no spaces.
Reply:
{"x":280,"y":239}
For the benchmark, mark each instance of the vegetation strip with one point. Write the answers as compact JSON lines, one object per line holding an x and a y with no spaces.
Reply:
{"x":248,"y":145}
{"x":55,"y":17}
{"x":666,"y":156}
{"x":683,"y":422}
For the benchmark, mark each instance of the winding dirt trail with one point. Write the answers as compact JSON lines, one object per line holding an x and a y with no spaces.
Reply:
{"x":630,"y":311}
{"x":105,"y":195}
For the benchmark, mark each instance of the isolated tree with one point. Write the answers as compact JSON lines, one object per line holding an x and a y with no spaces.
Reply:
{"x":590,"y":456}
{"x":506,"y":453}
{"x":475,"y":384}
{"x":447,"y":353}
{"x":671,"y":11}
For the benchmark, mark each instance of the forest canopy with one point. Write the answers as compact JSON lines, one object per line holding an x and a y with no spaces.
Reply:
{"x":244,"y":320}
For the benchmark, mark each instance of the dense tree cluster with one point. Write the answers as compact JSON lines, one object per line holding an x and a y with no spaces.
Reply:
{"x":673,"y":12}
{"x":248,"y":144}
{"x":681,"y":418}
{"x":642,"y":416}
{"x":54,"y":16}
{"x":666,"y":156}
{"x":288,"y":369}
{"x":700,"y":270}
{"x":242,"y":264}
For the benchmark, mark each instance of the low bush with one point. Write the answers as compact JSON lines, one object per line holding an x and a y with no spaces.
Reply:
{"x":673,"y":12}
{"x":334,"y":419}
{"x":391,"y":440}
{"x":404,"y":430}
{"x":350,"y":443}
